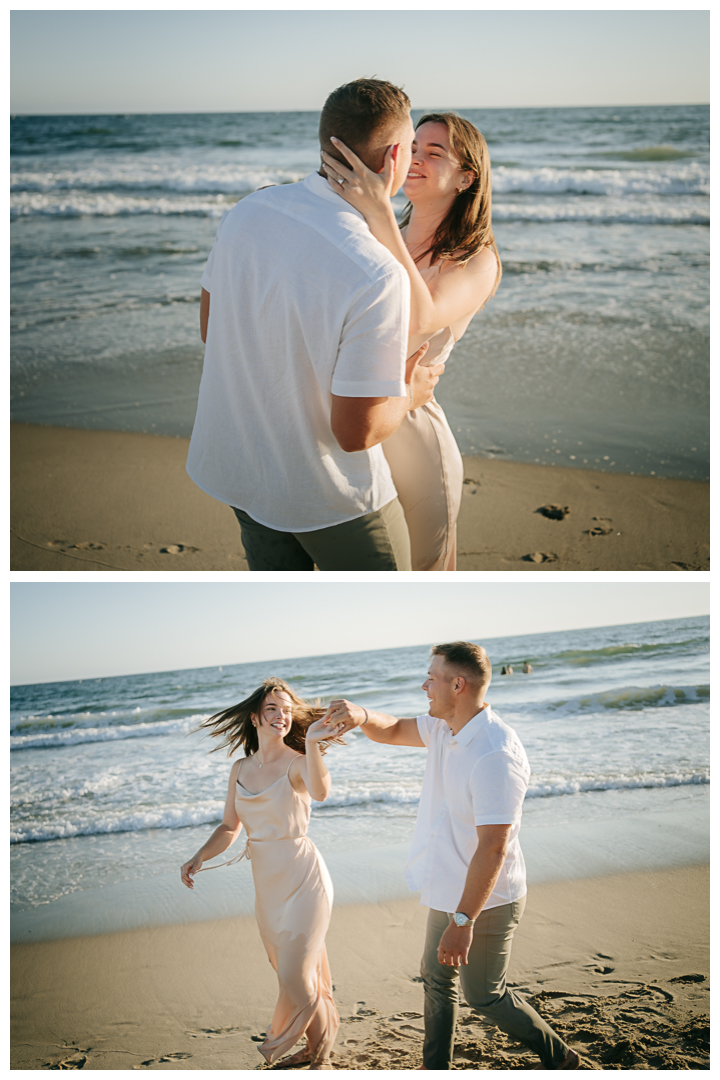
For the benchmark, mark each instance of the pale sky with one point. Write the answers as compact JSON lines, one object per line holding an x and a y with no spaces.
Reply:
{"x":84,"y":630}
{"x":85,"y":61}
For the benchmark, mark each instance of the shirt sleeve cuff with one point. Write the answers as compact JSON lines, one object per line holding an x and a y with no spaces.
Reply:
{"x":343,"y":388}
{"x":205,"y":281}
{"x":423,"y":724}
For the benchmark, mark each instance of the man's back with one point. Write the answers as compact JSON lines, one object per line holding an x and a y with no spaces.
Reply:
{"x":304,"y":304}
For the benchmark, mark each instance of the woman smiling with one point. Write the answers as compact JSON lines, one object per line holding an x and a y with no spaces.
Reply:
{"x":445,"y":242}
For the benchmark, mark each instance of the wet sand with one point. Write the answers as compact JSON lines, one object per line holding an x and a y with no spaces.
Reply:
{"x":619,"y":965}
{"x":108,"y":500}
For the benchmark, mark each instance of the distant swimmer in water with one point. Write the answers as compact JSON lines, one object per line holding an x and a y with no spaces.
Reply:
{"x":506,"y":670}
{"x":527,"y":668}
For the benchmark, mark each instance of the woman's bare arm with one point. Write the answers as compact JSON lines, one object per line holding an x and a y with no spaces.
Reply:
{"x":225,"y":835}
{"x":310,"y":770}
{"x":456,"y":292}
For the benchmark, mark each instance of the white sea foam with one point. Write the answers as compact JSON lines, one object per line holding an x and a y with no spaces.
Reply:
{"x":79,"y":204}
{"x":75,"y":736}
{"x":576,"y":785}
{"x":134,"y":176}
{"x":687,"y":179}
{"x":211,"y":177}
{"x":400,"y":799}
{"x":76,"y":825}
{"x":650,"y":210}
{"x":608,"y":210}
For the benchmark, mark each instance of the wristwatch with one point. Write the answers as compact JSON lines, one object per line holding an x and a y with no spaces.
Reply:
{"x":462,"y":920}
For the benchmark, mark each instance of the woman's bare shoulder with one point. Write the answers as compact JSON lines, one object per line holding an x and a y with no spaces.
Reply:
{"x":483,"y":261}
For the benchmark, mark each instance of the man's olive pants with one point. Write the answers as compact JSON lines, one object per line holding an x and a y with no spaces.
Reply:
{"x":376,"y":541}
{"x":484,"y":989}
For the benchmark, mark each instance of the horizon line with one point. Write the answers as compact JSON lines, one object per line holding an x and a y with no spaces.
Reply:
{"x":14,"y":114}
{"x":347,"y":652}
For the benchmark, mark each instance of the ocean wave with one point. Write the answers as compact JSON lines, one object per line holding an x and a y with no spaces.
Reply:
{"x":134,"y":177}
{"x":77,"y":204}
{"x":578,"y":785}
{"x":691,"y":179}
{"x":384,"y":801}
{"x":233,"y":178}
{"x":647,"y":153}
{"x":606,"y":211}
{"x":584,"y":657}
{"x":165,"y":818}
{"x":634,"y":698}
{"x":72,"y":736}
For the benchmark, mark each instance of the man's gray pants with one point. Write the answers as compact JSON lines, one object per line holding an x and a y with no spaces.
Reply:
{"x":484,"y":988}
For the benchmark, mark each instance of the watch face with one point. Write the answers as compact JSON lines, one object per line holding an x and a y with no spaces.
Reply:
{"x":460,"y":919}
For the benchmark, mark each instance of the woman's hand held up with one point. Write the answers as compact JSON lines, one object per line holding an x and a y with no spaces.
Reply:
{"x":318,"y":731}
{"x":342,"y":716}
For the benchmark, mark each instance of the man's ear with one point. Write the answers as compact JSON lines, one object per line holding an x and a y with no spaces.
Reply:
{"x":459,"y":683}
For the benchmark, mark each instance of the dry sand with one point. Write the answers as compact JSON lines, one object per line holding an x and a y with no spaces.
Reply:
{"x":110,"y":500}
{"x":618,"y":965}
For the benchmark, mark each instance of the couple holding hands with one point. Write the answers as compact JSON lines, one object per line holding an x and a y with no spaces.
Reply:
{"x":465,"y":857}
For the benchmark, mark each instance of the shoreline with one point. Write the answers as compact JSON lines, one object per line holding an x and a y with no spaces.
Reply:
{"x":643,"y":837}
{"x":86,"y":500}
{"x":618,"y":964}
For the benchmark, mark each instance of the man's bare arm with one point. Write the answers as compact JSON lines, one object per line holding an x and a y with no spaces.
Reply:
{"x":343,"y":716}
{"x":204,"y":314}
{"x":359,"y":423}
{"x":483,"y":872}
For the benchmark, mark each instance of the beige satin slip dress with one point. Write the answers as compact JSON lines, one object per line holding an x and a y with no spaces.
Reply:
{"x":293,"y":901}
{"x":426,"y":465}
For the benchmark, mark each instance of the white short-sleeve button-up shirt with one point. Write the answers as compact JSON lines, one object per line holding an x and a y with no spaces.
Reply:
{"x":305,"y":304}
{"x":477,"y":777}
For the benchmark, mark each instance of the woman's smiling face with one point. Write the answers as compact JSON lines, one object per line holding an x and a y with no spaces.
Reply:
{"x":434,"y":169}
{"x":276,"y":713}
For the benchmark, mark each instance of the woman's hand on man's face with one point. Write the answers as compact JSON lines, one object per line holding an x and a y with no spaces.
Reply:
{"x":367,"y":191}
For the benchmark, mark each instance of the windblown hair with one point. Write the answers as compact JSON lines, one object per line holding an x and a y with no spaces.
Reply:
{"x":235,"y":727}
{"x":467,"y":227}
{"x":466,"y":659}
{"x":359,"y":113}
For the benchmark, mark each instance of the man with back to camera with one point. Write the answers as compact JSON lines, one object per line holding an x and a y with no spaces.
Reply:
{"x":305,"y":364}
{"x":465,"y":856}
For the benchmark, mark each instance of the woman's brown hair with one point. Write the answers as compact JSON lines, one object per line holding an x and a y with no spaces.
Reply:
{"x":235,"y":726}
{"x":467,"y":227}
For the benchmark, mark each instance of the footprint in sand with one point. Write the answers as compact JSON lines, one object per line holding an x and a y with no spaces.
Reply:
{"x":541,"y":556}
{"x":554,"y":511}
{"x":213,"y":1033}
{"x":68,"y":1063}
{"x":603,"y":528}
{"x":600,"y":968}
{"x":178,"y":549}
{"x":82,"y":545}
{"x":162,"y":1060}
{"x":361,"y":1011}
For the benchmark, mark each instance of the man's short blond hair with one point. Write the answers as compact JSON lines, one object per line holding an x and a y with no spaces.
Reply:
{"x":466,"y":659}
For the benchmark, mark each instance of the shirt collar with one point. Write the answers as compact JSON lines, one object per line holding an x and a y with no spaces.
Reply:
{"x":466,"y":734}
{"x":319,"y":186}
